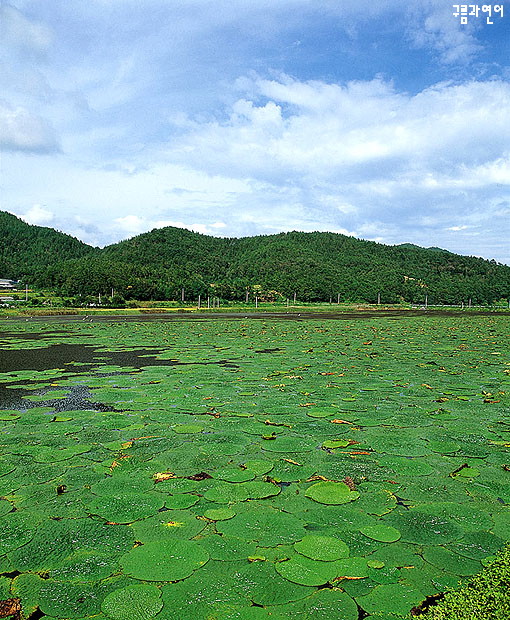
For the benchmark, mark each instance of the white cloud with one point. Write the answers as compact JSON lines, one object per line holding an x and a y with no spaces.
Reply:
{"x":38,"y":215}
{"x":21,"y":130}
{"x":435,"y":27}
{"x":22,"y":33}
{"x":134,"y":225}
{"x":333,"y":129}
{"x":131,"y":224}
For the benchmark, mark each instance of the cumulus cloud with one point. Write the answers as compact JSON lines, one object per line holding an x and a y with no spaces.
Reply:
{"x":135,"y":225}
{"x":21,"y":130}
{"x":38,"y":215}
{"x":433,"y":26}
{"x":360,"y":127}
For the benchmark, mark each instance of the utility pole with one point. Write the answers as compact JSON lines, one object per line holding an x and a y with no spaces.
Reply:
{"x":26,"y":292}
{"x":198,"y":305}
{"x":338,"y":298}
{"x":208,"y":302}
{"x":182,"y":295}
{"x":247,"y":295}
{"x":378,"y":299}
{"x":426,"y":301}
{"x":256,"y":301}
{"x":295,"y":297}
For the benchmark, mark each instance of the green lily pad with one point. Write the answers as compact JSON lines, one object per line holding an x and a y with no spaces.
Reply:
{"x":260,"y":583}
{"x":85,"y":566}
{"x":180,"y":501}
{"x":393,"y":597}
{"x":212,"y":590}
{"x":383,"y":533}
{"x":267,"y":526}
{"x":168,"y":525}
{"x":331,"y":444}
{"x":477,"y":545}
{"x":423,"y":528}
{"x":137,"y":602}
{"x":258,"y":466}
{"x":287,"y":445}
{"x":187,"y":429}
{"x":27,"y":587}
{"x":234,"y":474}
{"x":126,"y":509}
{"x":261,"y":490}
{"x":325,"y":548}
{"x":226,"y":493}
{"x":308,"y":572}
{"x":453,"y":562}
{"x":219,"y":514}
{"x":331,"y":493}
{"x":16,"y":530}
{"x":168,"y":560}
{"x":227,"y":548}
{"x":323,"y":604}
{"x":64,"y":599}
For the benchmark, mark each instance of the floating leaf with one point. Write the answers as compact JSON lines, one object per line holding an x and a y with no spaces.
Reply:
{"x":127,"y":509}
{"x":331,"y":493}
{"x":325,"y":548}
{"x":168,"y":560}
{"x":387,"y":598}
{"x":383,"y":533}
{"x":219,"y":514}
{"x":137,"y":602}
{"x":260,"y":583}
{"x":307,"y":572}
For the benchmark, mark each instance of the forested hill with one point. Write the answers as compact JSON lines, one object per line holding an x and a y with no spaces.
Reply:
{"x":314,"y":266}
{"x":26,"y":249}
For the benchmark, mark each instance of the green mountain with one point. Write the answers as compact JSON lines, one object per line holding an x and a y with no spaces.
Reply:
{"x":26,"y":250}
{"x":313,"y":266}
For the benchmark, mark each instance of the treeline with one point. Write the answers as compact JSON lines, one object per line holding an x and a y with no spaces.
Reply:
{"x":26,"y":249}
{"x":165,"y":262}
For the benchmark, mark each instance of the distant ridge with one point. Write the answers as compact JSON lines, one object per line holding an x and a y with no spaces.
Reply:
{"x":412,"y":246}
{"x":166,"y":263}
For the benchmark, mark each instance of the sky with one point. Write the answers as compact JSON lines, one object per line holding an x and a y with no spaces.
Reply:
{"x":387,"y":120}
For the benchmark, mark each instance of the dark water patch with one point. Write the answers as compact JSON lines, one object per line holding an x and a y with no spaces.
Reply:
{"x":268,"y":350}
{"x":33,"y":335}
{"x":239,"y":316}
{"x":64,"y":356}
{"x":79,"y":397}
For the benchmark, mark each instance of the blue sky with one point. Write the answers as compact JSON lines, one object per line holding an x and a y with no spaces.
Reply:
{"x":386,"y":120}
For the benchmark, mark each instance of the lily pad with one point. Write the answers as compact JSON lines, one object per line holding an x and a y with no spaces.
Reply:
{"x":383,"y":533}
{"x":325,"y":548}
{"x":169,"y":560}
{"x":137,"y":602}
{"x":126,"y":509}
{"x":393,"y":597}
{"x":323,"y":604}
{"x":260,"y":583}
{"x":331,"y":493}
{"x":219,"y":514}
{"x":308,"y":572}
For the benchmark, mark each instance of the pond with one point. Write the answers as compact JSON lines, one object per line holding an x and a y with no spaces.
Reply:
{"x":248,"y":467}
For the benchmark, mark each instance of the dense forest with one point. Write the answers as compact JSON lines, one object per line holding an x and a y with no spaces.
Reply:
{"x":164,"y":263}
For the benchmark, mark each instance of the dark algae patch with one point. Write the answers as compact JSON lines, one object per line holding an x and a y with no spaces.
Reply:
{"x":251,"y":468}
